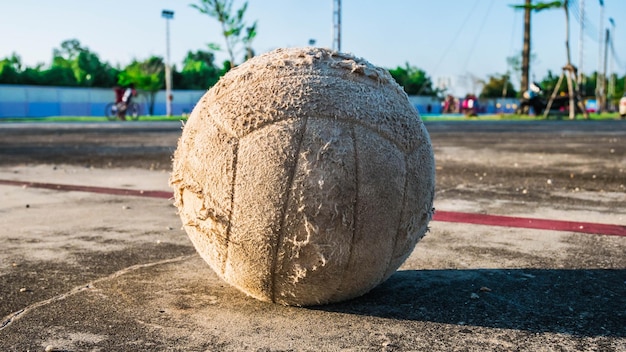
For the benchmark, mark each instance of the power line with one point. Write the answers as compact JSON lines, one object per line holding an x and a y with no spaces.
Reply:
{"x":482,"y":25}
{"x":589,"y":27}
{"x":456,"y":36}
{"x":617,"y":59}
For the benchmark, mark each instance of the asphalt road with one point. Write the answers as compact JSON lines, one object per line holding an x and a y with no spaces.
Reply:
{"x":462,"y":149}
{"x":81,"y":271}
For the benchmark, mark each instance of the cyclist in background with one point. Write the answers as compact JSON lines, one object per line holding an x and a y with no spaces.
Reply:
{"x":123,"y":97}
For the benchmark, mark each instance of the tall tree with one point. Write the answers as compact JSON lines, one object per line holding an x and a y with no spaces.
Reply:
{"x":147,"y":76}
{"x":84,"y":64}
{"x":60,"y":73}
{"x":413,"y":80}
{"x":69,"y":49}
{"x":234,"y":29}
{"x":199,"y":70}
{"x":548,"y":83}
{"x":498,"y":86}
{"x":32,"y":75}
{"x":11,"y":69}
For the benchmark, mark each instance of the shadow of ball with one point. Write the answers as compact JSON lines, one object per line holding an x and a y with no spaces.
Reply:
{"x":304,"y":177}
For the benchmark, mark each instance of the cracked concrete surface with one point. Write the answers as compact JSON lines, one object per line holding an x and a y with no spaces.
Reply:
{"x":82,"y":271}
{"x":88,"y":286}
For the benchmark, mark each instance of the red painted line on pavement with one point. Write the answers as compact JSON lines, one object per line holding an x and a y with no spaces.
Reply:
{"x":91,"y":189}
{"x":531,"y":223}
{"x":446,"y":216}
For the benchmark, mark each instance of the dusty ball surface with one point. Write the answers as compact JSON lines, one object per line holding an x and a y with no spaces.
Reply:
{"x":304,"y":176}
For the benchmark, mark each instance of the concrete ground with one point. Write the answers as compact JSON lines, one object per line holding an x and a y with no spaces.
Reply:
{"x":98,"y":270}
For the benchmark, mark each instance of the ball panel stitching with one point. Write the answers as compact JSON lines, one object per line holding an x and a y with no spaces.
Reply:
{"x":281,"y":231}
{"x":232,"y":206}
{"x":319,"y":217}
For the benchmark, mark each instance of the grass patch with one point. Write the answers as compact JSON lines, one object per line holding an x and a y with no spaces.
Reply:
{"x":426,"y":117}
{"x":513,"y":117}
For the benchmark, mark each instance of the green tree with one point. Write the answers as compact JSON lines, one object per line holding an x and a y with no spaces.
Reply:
{"x":619,"y":86}
{"x":85,"y":65}
{"x":588,"y":85}
{"x":63,"y":67}
{"x":69,"y":49}
{"x":11,"y":69}
{"x":498,"y":86}
{"x":515,"y":66}
{"x":32,"y":75}
{"x":199,"y":70}
{"x":60,"y":73}
{"x":413,"y":80}
{"x":148,"y":77}
{"x":548,"y":83}
{"x":234,"y":29}
{"x":89,"y":71}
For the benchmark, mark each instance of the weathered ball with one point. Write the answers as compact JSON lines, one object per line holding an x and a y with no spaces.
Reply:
{"x":304,"y":177}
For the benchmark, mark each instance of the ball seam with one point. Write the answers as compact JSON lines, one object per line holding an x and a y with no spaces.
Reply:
{"x":232,"y":206}
{"x":355,"y":212}
{"x":403,"y":211}
{"x":283,"y":216}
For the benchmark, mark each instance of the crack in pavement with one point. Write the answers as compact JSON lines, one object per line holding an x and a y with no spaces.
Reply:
{"x":9,"y":319}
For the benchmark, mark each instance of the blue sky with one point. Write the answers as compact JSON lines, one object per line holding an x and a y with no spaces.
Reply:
{"x":451,"y":40}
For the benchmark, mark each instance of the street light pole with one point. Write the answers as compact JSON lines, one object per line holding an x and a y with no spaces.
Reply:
{"x":168,"y":15}
{"x":611,"y":90}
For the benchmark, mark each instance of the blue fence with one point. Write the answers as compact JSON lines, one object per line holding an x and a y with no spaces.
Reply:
{"x":434,"y":106}
{"x":38,"y":101}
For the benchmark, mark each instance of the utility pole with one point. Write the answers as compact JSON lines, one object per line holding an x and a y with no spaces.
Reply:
{"x":526,"y":47}
{"x":168,"y":15}
{"x":600,"y":74}
{"x":581,"y":41}
{"x":606,"y":52}
{"x":337,"y":25}
{"x":611,"y":91}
